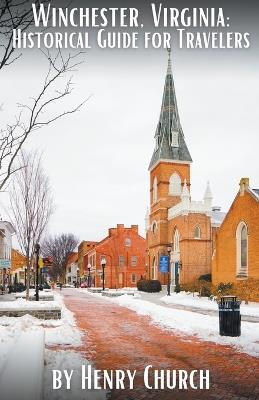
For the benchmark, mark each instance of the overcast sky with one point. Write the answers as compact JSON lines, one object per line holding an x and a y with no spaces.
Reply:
{"x":97,"y":159}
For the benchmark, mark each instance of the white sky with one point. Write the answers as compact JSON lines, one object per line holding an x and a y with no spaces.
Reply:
{"x":97,"y":159}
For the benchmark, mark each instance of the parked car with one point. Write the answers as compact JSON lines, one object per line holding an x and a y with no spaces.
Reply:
{"x":18,"y":287}
{"x":84,"y":285}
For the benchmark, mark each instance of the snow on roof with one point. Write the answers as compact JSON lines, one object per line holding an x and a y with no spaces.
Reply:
{"x":217,"y":217}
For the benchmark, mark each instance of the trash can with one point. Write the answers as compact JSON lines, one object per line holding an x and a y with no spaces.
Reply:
{"x":229,"y":316}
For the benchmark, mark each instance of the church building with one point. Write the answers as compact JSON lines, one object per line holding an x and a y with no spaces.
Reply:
{"x":175,"y":224}
{"x":236,"y":254}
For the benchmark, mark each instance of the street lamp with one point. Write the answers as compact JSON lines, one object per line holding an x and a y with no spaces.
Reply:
{"x":103,"y":264}
{"x":37,"y":252}
{"x":89,"y":274}
{"x":169,"y":249}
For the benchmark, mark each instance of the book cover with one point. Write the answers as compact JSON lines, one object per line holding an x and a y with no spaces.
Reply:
{"x":129,"y":233}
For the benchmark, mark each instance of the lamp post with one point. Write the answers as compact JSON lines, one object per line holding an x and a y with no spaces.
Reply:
{"x":37,"y":252}
{"x":103,"y":264}
{"x":169,"y":249}
{"x":89,"y":274}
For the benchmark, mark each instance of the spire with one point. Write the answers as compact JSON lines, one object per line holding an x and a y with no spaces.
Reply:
{"x":208,"y":194}
{"x":169,"y":65}
{"x":170,"y":143}
{"x":207,"y":198}
{"x":185,"y":192}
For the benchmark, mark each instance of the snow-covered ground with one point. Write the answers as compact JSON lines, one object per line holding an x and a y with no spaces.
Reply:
{"x":193,"y":300}
{"x":63,"y":360}
{"x":21,"y":304}
{"x":63,"y":332}
{"x":203,"y":327}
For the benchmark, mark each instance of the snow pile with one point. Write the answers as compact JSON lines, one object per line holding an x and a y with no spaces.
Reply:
{"x":42,"y":293}
{"x":67,"y":360}
{"x":190,"y":300}
{"x":57,"y":332}
{"x":204,"y":327}
{"x":21,"y":304}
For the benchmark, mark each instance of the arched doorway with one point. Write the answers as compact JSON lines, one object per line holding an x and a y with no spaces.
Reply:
{"x":154,"y":269}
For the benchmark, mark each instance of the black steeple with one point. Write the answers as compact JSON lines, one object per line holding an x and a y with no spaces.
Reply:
{"x":170,"y":143}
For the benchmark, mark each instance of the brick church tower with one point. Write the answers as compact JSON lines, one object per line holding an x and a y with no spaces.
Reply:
{"x":173,"y":220}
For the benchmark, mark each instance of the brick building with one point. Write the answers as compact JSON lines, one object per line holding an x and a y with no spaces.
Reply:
{"x":236,"y":256}
{"x":83,"y":248}
{"x":124,"y":251}
{"x":174,"y":220}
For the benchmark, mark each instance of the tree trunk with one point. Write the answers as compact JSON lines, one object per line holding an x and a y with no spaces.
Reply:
{"x":28,"y":277}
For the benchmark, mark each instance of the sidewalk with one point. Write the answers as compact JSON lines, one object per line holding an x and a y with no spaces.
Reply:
{"x":155,"y":298}
{"x":7,"y":297}
{"x":120,"y":338}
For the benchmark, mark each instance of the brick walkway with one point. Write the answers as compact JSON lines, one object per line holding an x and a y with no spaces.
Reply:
{"x":118,"y":338}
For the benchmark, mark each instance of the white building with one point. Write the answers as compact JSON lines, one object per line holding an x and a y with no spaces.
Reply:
{"x":6,"y":232}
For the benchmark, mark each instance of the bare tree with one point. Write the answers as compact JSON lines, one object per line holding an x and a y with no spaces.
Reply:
{"x":16,"y":14}
{"x":32,"y":116}
{"x":31,"y":205}
{"x":59,"y":248}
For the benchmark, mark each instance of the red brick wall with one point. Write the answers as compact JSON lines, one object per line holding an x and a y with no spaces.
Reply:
{"x":195,"y":253}
{"x":113,"y":247}
{"x":244,"y":208}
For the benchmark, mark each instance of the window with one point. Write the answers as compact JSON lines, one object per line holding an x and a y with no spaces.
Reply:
{"x":69,"y":269}
{"x":154,"y":227}
{"x":133,"y":278}
{"x":175,"y":185}
{"x":175,"y":139}
{"x":127,"y":242}
{"x":121,"y":261}
{"x":197,"y":232}
{"x":176,"y":240}
{"x":133,"y":261}
{"x":242,"y":249}
{"x":153,"y":271}
{"x":155,"y":190}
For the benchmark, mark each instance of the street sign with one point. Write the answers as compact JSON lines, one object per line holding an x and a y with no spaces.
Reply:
{"x":4,"y":263}
{"x":164,"y":264}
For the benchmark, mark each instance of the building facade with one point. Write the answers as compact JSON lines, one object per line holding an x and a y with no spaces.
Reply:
{"x":83,"y":249}
{"x":124,"y":253}
{"x":175,"y":224}
{"x":18,"y":267}
{"x":6,"y":232}
{"x":72,"y":269}
{"x":236,"y":255}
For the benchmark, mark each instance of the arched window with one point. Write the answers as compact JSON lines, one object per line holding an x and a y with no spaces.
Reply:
{"x":176,"y":241}
{"x":175,"y":187}
{"x":155,"y":190}
{"x":154,"y":227}
{"x":197,"y":232}
{"x":242,"y":249}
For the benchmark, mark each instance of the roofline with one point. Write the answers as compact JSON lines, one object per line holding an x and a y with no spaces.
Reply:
{"x":254,"y":194}
{"x":166,"y":160}
{"x":10,"y":227}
